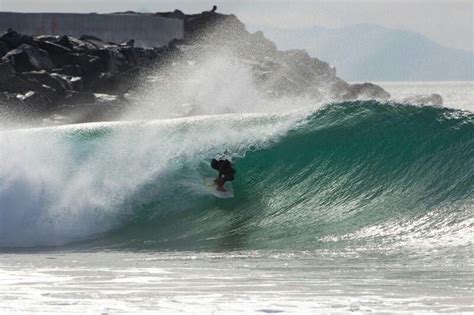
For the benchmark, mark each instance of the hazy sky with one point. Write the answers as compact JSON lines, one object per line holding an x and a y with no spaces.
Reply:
{"x":449,"y":22}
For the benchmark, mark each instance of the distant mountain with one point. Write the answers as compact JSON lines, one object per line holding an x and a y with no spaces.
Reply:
{"x":367,"y":52}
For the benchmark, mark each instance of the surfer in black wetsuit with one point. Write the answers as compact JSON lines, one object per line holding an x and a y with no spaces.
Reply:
{"x":226,"y":172}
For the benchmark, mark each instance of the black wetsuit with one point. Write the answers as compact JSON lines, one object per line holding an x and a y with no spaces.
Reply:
{"x":224,"y":167}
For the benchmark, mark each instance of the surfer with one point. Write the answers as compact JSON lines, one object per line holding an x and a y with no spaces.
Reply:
{"x":226,"y":173}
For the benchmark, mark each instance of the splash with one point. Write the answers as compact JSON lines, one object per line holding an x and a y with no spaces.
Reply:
{"x":348,"y":173}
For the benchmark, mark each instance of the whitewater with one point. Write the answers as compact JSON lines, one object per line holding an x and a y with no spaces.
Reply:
{"x":339,"y":206}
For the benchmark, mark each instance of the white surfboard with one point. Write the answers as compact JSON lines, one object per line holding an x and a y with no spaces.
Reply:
{"x":211,"y":187}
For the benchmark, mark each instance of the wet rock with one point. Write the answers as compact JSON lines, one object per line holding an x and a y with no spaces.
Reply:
{"x":65,"y":41}
{"x":28,"y":58}
{"x":96,"y":42}
{"x":14,"y":39}
{"x":77,"y":83}
{"x":52,"y":48}
{"x":89,"y":65}
{"x":129,"y":43}
{"x":131,"y":55}
{"x":4,"y":48}
{"x":66,"y":70}
{"x":17,"y":85}
{"x":111,"y":60}
{"x":70,"y":70}
{"x":74,"y":43}
{"x":44,"y":78}
{"x":426,"y":100}
{"x":367,"y":91}
{"x":49,"y":38}
{"x":6,"y":72}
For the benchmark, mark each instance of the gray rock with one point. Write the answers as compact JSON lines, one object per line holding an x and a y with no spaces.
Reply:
{"x":14,"y":39}
{"x":28,"y":58}
{"x":6,"y":72}
{"x":44,"y":78}
{"x":129,"y":43}
{"x":89,"y":65}
{"x":96,"y":42}
{"x":4,"y":48}
{"x":426,"y":100}
{"x":111,"y":60}
{"x":52,"y":48}
{"x":367,"y":91}
{"x":70,"y":70}
{"x":17,"y":85}
{"x":74,"y":43}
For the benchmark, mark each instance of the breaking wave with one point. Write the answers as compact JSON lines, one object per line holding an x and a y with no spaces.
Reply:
{"x":349,"y":173}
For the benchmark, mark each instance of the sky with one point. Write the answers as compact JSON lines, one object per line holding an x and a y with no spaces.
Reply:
{"x":448,"y":22}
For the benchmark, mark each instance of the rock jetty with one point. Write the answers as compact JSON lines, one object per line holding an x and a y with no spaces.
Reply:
{"x":43,"y":76}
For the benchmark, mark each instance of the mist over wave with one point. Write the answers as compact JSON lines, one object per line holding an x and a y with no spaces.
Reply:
{"x":66,"y":183}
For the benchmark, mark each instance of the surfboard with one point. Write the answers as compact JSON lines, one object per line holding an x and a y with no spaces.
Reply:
{"x":211,"y":187}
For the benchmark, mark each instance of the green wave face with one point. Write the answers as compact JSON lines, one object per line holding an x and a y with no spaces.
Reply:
{"x":350,"y":174}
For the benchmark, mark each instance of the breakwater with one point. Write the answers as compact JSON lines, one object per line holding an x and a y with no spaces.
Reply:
{"x":146,"y":30}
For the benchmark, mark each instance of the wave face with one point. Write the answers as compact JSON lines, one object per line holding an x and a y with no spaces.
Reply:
{"x":348,"y":174}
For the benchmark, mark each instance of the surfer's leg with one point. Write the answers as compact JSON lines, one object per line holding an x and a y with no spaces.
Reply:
{"x":220,"y":184}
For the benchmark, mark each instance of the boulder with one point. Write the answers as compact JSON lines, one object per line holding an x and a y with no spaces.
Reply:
{"x":424,"y":100}
{"x":96,"y":42}
{"x":49,"y":38}
{"x":44,"y":78}
{"x":77,"y":83}
{"x":74,"y":43}
{"x":89,"y":65}
{"x":90,"y":37}
{"x":70,"y":70}
{"x":65,"y":41}
{"x":14,"y":39}
{"x":4,"y":48}
{"x":17,"y":85}
{"x":28,"y":58}
{"x":111,"y":60}
{"x":367,"y":91}
{"x":131,"y":55}
{"x":129,"y":43}
{"x":52,"y":48}
{"x":68,"y":82}
{"x":6,"y":72}
{"x":35,"y":83}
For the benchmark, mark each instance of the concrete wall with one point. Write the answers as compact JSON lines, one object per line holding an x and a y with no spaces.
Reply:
{"x":146,"y":30}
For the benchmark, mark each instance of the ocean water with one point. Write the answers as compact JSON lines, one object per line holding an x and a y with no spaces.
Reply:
{"x":339,"y":207}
